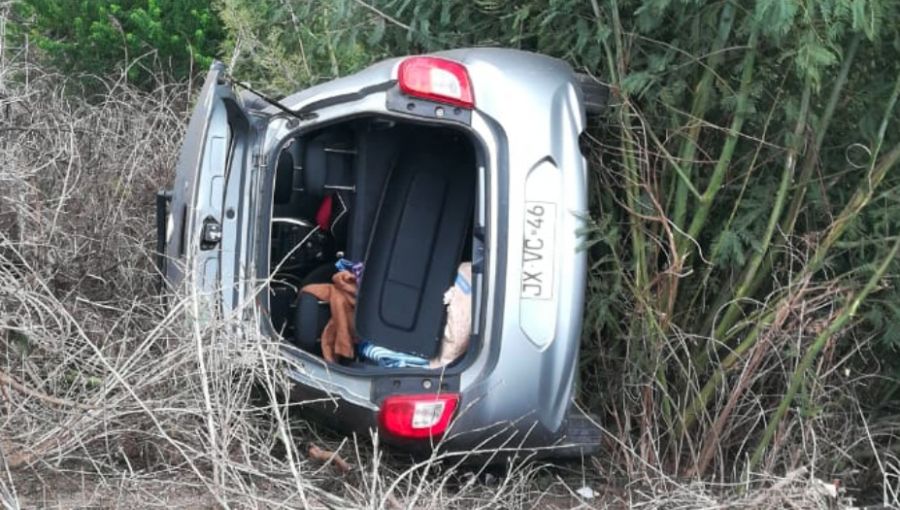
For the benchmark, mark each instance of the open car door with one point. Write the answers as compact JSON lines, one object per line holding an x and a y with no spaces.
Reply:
{"x":205,"y":212}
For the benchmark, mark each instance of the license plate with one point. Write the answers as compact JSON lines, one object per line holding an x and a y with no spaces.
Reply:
{"x":538,"y":250}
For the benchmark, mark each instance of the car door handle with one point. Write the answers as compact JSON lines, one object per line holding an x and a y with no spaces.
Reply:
{"x":211,"y":234}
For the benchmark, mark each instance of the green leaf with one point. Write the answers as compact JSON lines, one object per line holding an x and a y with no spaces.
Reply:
{"x":730,"y":250}
{"x":867,"y":17}
{"x":377,"y":33}
{"x":775,"y":17}
{"x":651,"y":14}
{"x":636,"y":83}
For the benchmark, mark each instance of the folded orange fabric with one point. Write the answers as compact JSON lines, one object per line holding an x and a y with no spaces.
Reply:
{"x":339,"y":337}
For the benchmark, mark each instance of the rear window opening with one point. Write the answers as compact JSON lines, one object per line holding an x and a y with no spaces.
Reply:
{"x":400,"y":199}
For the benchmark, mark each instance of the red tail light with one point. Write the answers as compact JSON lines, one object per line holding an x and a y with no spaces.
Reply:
{"x":436,"y":79}
{"x":417,"y":416}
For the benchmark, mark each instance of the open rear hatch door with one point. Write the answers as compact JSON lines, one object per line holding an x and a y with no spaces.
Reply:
{"x":207,"y":221}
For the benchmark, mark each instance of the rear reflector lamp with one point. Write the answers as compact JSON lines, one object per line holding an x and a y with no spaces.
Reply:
{"x":436,"y":79}
{"x":417,"y":416}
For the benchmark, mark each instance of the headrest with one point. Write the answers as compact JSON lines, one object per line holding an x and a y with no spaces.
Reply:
{"x":327,"y":164}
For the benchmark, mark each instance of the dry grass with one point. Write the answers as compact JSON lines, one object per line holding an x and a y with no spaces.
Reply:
{"x":110,"y":400}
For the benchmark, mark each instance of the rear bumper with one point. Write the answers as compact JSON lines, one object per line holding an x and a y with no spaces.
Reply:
{"x":496,"y":439}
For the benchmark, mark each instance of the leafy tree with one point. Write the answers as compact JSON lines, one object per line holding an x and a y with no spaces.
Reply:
{"x":137,"y":37}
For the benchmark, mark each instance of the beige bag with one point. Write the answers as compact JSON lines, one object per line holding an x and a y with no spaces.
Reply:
{"x":458,"y":299}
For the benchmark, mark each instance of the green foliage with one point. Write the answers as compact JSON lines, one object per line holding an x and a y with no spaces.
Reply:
{"x":137,"y":37}
{"x":286,"y":44}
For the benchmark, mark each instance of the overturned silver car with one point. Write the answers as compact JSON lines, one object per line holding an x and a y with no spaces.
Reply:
{"x":414,"y":229}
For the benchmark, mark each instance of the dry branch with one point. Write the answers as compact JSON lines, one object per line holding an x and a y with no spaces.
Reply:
{"x":10,"y":381}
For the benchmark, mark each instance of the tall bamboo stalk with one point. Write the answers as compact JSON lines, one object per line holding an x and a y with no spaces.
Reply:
{"x":878,"y":169}
{"x":699,"y":108}
{"x":799,"y":195}
{"x":806,"y":362}
{"x":787,"y":177}
{"x":728,"y":148}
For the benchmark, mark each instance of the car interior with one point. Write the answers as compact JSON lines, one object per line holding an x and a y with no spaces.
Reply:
{"x":398,"y":197}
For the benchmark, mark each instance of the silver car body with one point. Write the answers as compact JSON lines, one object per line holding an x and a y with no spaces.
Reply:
{"x":528,"y":116}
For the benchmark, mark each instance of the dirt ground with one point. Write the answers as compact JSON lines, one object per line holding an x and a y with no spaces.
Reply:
{"x":74,"y":491}
{"x":79,"y":491}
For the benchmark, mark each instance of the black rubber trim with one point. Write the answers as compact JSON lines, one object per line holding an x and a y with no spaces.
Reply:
{"x":310,"y":108}
{"x":333,"y":410}
{"x":401,"y":103}
{"x":594,"y":93}
{"x":499,"y":235}
{"x":384,"y":387}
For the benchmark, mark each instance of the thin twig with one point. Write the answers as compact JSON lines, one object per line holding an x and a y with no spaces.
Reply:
{"x":11,"y":382}
{"x":385,"y":16}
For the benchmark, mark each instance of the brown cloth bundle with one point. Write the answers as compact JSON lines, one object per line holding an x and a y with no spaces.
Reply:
{"x":339,"y":337}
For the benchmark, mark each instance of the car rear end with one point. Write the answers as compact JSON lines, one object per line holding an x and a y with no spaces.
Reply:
{"x":525,"y":112}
